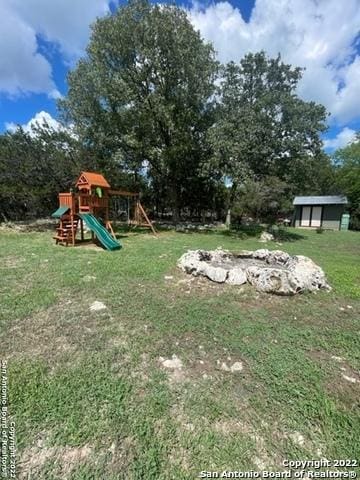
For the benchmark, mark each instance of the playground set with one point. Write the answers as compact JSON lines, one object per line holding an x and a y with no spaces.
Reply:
{"x":90,"y":204}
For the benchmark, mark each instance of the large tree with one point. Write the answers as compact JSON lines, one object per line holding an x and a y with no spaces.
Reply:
{"x":34,"y":167}
{"x":263,"y":128}
{"x":347,"y":161}
{"x":142,"y":94}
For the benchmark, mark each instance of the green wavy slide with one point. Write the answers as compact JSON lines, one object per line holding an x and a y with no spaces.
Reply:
{"x":101,"y":233}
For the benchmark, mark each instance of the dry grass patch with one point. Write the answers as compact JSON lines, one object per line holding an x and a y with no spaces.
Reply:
{"x":65,"y":328}
{"x":62,"y":458}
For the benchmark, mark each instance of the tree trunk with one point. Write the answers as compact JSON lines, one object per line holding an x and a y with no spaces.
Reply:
{"x":175,"y":204}
{"x":176,"y":214}
{"x":230,"y":204}
{"x":228,"y":218}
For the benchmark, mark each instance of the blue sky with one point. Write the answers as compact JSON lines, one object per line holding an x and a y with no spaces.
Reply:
{"x":42,"y":40}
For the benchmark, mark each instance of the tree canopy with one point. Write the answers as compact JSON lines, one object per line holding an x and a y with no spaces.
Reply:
{"x":153,"y":109}
{"x":32,"y":169}
{"x":263,"y":128}
{"x":142,"y":95}
{"x":347,"y":161}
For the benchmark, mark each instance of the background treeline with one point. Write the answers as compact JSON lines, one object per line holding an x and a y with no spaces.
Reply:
{"x":151,"y":107}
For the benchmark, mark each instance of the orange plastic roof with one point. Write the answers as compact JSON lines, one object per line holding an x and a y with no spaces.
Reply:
{"x":94,"y":179}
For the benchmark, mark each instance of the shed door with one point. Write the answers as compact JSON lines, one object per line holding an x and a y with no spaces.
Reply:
{"x":305,"y":216}
{"x":316,"y":216}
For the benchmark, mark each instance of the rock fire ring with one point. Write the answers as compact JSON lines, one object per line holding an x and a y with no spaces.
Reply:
{"x":268,"y":271}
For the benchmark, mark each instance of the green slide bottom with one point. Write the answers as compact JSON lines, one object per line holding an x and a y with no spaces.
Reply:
{"x":101,"y":233}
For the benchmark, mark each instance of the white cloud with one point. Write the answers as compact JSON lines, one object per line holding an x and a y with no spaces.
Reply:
{"x":66,"y":22}
{"x":41,"y":118}
{"x":316,"y":34}
{"x":347,"y":105}
{"x":23,"y":68}
{"x":54,"y":94}
{"x":342,"y":139}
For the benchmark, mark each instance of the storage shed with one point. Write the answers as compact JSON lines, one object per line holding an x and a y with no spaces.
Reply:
{"x":324,"y":211}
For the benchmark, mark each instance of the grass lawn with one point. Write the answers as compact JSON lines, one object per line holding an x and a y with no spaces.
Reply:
{"x":91,"y":399}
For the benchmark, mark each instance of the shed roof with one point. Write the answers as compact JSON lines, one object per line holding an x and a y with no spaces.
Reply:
{"x":323,"y":200}
{"x":93,"y":179}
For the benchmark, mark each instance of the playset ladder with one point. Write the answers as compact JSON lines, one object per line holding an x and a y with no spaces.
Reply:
{"x":66,"y":231}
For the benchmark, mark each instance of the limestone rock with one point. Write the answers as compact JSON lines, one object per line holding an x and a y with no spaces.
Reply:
{"x":306,"y":273}
{"x":268,"y":271}
{"x":196,"y":263}
{"x":172,"y":363}
{"x":277,"y":257}
{"x":271,"y":280}
{"x":97,"y":306}
{"x":89,"y":278}
{"x":266,"y":237}
{"x":237,"y":367}
{"x":261,"y":254}
{"x":225,"y":367}
{"x":216,"y":274}
{"x":190,"y":262}
{"x":236,"y":276}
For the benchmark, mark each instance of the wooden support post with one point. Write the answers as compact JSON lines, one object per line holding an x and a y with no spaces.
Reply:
{"x":109,"y":227}
{"x":82,"y":229}
{"x":142,"y":211}
{"x":72,"y":229}
{"x":128,"y":212}
{"x":107,"y":214}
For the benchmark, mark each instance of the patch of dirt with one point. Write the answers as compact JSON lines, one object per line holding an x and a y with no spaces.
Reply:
{"x":73,"y":455}
{"x":66,"y":458}
{"x":338,"y":362}
{"x":181,"y":283}
{"x":89,"y":278}
{"x":118,"y":342}
{"x":304,"y":441}
{"x":235,"y":367}
{"x":245,"y":296}
{"x":64,"y":328}
{"x":180,"y":457}
{"x":347,"y":386}
{"x":122,"y":454}
{"x":266,"y":437}
{"x":175,"y":367}
{"x":116,"y":455}
{"x":263,"y":459}
{"x":13,"y":261}
{"x":184,"y":423}
{"x":28,"y":226}
{"x":182,"y":420}
{"x":36,"y":339}
{"x":88,"y":245}
{"x":227,"y":427}
{"x":200,"y":368}
{"x":142,"y":369}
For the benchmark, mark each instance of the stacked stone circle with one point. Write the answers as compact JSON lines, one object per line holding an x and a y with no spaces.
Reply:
{"x":272,"y":271}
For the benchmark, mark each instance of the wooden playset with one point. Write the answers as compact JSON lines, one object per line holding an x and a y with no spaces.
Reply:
{"x":90,"y":204}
